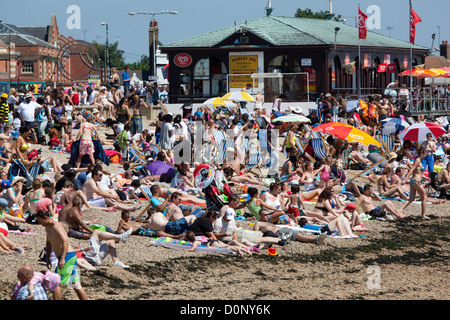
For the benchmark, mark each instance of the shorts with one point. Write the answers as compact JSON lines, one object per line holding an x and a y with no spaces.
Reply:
{"x":99,"y":251}
{"x":176,"y":227}
{"x":293,"y":211}
{"x":376,"y":213}
{"x":98,"y":202}
{"x":86,"y":147}
{"x":77,"y":234}
{"x":250,"y":235}
{"x":287,"y":234}
{"x":69,"y":273}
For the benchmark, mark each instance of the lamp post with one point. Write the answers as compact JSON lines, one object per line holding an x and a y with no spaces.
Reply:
{"x":106,"y":53}
{"x":153,"y":14}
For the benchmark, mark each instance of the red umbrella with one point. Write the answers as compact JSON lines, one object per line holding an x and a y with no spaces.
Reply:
{"x":347,"y":132}
{"x":417,"y":132}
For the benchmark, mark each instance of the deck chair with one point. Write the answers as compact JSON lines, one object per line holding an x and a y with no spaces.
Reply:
{"x":222,"y":151}
{"x":244,"y":110}
{"x":135,"y":157}
{"x":254,"y":159}
{"x":344,"y":156}
{"x":148,"y":206}
{"x":219,"y":136}
{"x":367,"y":171}
{"x":302,"y":152}
{"x":87,"y":114}
{"x":261,"y":122}
{"x":17,"y":168}
{"x":387,"y":142}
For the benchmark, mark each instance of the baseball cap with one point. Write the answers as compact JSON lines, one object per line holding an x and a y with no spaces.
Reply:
{"x":230,"y":214}
{"x":350,"y":206}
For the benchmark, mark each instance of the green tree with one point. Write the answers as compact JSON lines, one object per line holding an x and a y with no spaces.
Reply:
{"x":308,"y":13}
{"x":142,"y":64}
{"x":116,"y":59}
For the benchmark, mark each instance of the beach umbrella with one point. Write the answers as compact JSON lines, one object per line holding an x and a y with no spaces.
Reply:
{"x":414,"y":72}
{"x":391,"y":125}
{"x":218,"y":102}
{"x":417,"y":132}
{"x":349,"y":133}
{"x":324,"y":126}
{"x":292,"y":118}
{"x":239,"y":96}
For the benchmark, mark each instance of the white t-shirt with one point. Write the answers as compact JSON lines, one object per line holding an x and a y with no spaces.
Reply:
{"x":92,"y":96}
{"x":27,"y":111}
{"x":222,"y":226}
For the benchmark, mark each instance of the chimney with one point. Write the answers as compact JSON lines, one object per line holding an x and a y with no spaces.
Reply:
{"x":445,"y":50}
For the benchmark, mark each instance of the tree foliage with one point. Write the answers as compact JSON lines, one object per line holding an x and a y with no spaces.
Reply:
{"x":308,"y":13}
{"x":116,"y":59}
{"x":142,"y":64}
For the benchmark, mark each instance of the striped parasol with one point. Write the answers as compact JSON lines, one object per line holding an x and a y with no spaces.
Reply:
{"x":417,"y":132}
{"x":239,"y":96}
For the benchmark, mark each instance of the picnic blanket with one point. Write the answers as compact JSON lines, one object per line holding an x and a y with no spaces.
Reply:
{"x":167,"y":242}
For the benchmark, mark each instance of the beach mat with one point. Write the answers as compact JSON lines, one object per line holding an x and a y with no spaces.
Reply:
{"x":170,"y":243}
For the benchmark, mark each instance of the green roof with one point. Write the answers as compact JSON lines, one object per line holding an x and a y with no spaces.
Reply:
{"x":292,"y":31}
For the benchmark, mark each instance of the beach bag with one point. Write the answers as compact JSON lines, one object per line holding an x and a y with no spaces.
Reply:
{"x":115,"y":159}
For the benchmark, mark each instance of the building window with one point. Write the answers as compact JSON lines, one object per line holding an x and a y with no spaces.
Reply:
{"x":28,"y":66}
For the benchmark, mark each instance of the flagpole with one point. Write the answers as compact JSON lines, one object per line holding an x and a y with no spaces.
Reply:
{"x":411,"y":57}
{"x":359,"y":59}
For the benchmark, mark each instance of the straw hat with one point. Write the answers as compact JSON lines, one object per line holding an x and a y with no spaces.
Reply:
{"x":392,"y":156}
{"x":95,"y":110}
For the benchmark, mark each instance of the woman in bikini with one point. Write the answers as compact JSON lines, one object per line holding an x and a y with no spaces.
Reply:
{"x":308,"y":179}
{"x":415,"y":176}
{"x":86,"y":144}
{"x":386,"y":189}
{"x":33,"y":196}
{"x":276,"y":200}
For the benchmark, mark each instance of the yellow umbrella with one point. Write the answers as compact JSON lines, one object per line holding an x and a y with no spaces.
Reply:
{"x":238,"y":96}
{"x":218,"y":102}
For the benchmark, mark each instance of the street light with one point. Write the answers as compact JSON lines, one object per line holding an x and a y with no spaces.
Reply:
{"x":153,"y":14}
{"x":106,"y":53}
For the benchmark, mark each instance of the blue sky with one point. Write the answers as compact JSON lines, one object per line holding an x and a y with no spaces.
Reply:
{"x":199,"y":16}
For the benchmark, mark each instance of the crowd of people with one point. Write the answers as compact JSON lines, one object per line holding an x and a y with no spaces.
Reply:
{"x":160,"y":166}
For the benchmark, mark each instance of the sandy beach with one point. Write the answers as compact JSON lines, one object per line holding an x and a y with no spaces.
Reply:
{"x":393,"y":260}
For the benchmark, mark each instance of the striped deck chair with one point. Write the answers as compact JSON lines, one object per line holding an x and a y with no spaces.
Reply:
{"x":387,"y":142}
{"x":261,"y":122}
{"x":135,"y":157}
{"x":320,"y":146}
{"x":219,"y":136}
{"x":222,"y":151}
{"x":254,"y":159}
{"x":147,"y":195}
{"x":302,"y":152}
{"x":244,"y":110}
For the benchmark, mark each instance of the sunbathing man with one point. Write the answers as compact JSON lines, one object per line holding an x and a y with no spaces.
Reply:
{"x":158,"y":222}
{"x":105,"y":199}
{"x":357,"y":156}
{"x":174,"y":211}
{"x":271,"y":230}
{"x":366,"y":203}
{"x":58,"y":241}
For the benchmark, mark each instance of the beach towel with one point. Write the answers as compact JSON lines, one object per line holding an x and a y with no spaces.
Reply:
{"x":99,"y":153}
{"x":167,"y":242}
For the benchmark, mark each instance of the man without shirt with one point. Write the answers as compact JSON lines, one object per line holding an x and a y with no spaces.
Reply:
{"x":58,"y":241}
{"x":269,"y":229}
{"x":99,"y":198}
{"x":158,"y":222}
{"x":365,"y":200}
{"x":174,"y":211}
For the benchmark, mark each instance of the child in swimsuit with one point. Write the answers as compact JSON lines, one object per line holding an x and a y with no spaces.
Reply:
{"x":294,"y":203}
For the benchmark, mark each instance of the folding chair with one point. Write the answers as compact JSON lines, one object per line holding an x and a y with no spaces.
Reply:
{"x":222,"y":151}
{"x":261,"y":122}
{"x":138,"y":218}
{"x":254,"y":159}
{"x":135,"y":157}
{"x":344,"y":156}
{"x":387,"y":142}
{"x":367,"y":171}
{"x":244,"y":110}
{"x":219,"y":136}
{"x":301,"y":149}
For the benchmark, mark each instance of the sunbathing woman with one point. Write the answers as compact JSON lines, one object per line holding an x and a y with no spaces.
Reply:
{"x":245,"y":178}
{"x":386,"y":189}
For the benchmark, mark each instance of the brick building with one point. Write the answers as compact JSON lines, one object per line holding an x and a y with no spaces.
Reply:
{"x":33,"y":55}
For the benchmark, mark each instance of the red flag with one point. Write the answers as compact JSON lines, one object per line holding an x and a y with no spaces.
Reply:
{"x":382,"y":67}
{"x":415,"y":19}
{"x":391,"y":67}
{"x":362,"y":17}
